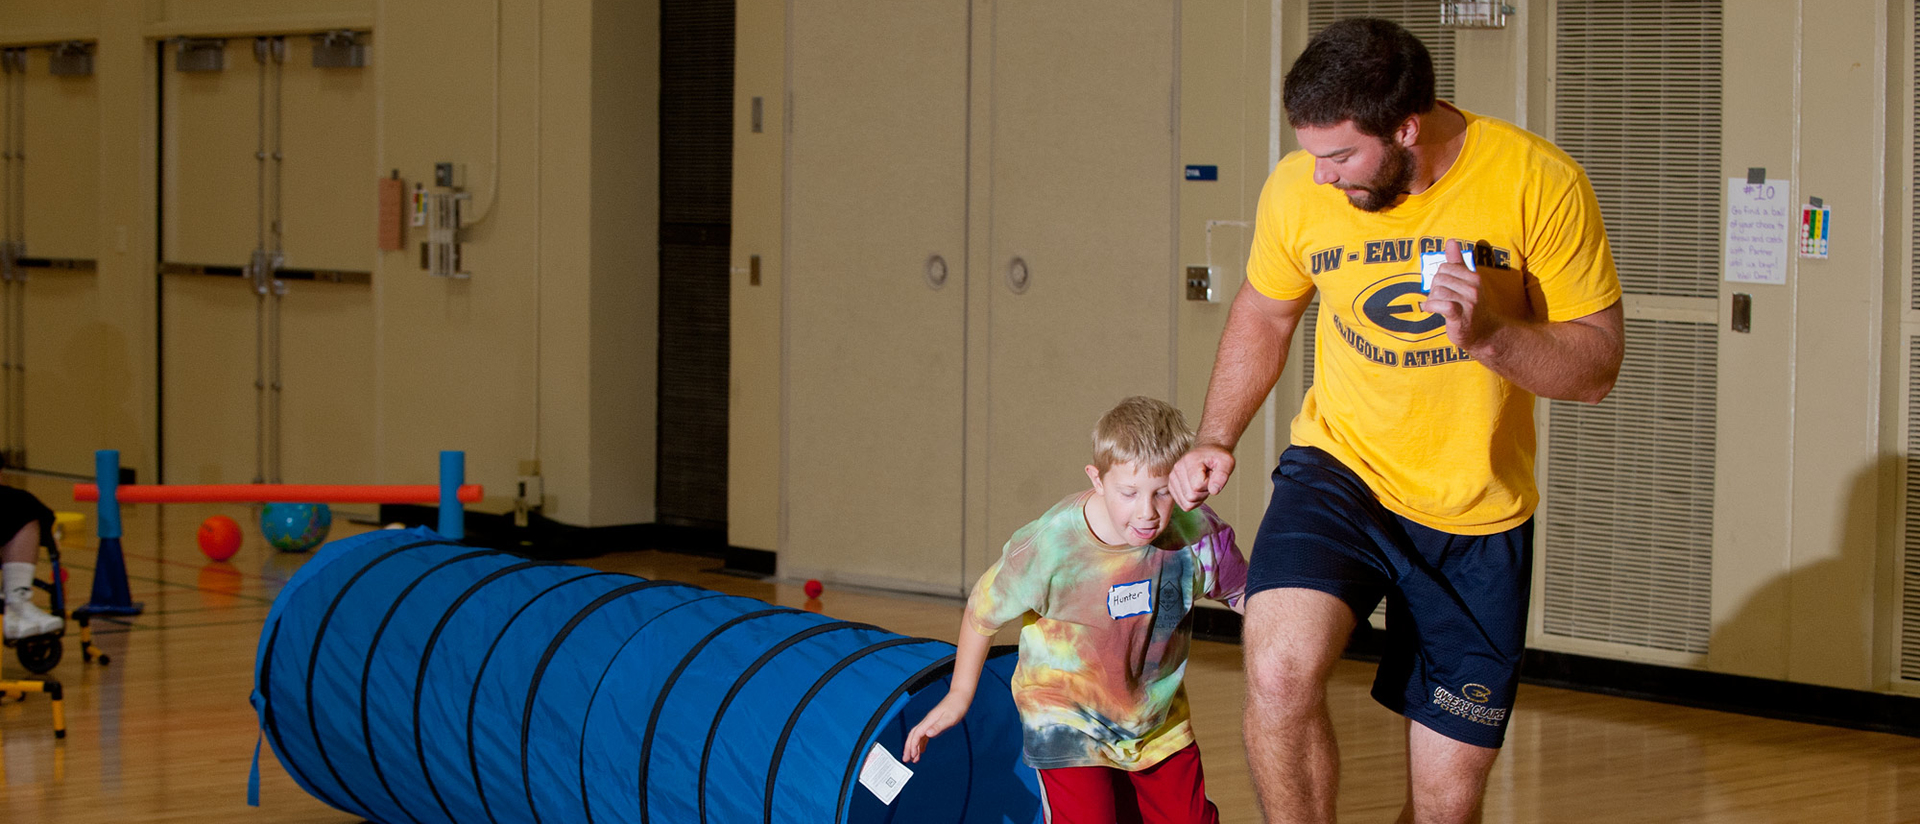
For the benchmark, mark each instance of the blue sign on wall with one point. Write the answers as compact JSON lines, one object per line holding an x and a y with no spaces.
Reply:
{"x":1203,"y":172}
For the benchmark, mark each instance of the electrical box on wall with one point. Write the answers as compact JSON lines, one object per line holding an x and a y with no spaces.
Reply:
{"x":1200,"y":284}
{"x":439,"y":213}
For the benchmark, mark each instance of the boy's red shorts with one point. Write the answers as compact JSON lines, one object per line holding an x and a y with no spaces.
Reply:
{"x":1171,"y":792}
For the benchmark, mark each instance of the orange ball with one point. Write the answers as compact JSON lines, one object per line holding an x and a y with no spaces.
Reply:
{"x":219,"y":537}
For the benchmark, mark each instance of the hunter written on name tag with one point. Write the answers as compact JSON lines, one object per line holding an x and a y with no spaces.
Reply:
{"x":1128,"y":600}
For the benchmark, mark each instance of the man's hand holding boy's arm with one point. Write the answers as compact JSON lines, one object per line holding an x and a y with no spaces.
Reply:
{"x":967,"y":663}
{"x":1252,"y":349}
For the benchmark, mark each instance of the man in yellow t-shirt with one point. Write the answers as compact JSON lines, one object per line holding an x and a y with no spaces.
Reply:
{"x":1463,"y":269}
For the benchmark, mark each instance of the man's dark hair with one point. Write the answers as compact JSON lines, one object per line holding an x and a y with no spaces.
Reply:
{"x":1363,"y":69}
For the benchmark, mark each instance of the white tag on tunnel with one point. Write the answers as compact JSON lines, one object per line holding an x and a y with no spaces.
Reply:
{"x":883,"y":775}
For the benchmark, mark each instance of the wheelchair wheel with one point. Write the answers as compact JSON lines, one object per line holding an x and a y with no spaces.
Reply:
{"x":40,"y":653}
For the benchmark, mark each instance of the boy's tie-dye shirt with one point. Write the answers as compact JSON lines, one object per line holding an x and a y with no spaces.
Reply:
{"x":1103,"y":650}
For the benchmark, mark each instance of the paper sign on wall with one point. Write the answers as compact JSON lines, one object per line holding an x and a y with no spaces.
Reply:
{"x":1758,"y":231}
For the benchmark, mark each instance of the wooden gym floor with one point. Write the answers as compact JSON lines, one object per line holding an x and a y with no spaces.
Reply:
{"x":165,"y":734}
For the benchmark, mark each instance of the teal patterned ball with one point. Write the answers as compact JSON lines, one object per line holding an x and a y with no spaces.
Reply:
{"x":295,"y":527}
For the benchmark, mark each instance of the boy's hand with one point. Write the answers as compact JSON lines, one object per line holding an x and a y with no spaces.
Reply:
{"x":940,"y":719}
{"x":1201,"y":473}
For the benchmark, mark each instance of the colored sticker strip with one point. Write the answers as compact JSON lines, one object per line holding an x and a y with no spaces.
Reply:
{"x":1815,"y":224}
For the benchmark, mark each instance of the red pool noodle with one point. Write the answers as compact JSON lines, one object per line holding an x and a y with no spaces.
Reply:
{"x":276,"y":493}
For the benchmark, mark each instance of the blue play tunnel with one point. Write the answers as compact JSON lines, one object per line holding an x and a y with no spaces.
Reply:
{"x":405,"y":678}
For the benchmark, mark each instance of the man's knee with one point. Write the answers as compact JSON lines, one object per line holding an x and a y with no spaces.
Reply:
{"x":1448,"y":777}
{"x":1285,"y":684}
{"x":1292,"y":638}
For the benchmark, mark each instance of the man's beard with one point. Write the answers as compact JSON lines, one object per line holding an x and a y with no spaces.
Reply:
{"x":1393,"y":179}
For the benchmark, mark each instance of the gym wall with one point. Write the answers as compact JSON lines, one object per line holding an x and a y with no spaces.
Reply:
{"x":542,"y":361}
{"x":546,"y":354}
{"x":1749,"y":486}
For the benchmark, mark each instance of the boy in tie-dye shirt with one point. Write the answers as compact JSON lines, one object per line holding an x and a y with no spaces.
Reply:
{"x":1105,"y":583}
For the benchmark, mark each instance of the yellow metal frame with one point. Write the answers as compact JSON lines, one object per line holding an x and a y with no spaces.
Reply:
{"x":53,"y":691}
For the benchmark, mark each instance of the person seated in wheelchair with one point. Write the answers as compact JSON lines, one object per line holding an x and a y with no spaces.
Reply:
{"x":28,"y":523}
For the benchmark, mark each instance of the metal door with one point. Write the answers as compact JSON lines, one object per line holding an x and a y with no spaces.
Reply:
{"x":268,"y":182}
{"x":1081,"y":263}
{"x":875,"y":343}
{"x":67,"y":386}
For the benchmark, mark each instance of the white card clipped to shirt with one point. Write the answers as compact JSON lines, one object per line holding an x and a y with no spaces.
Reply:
{"x":883,"y":775}
{"x":1430,"y":266}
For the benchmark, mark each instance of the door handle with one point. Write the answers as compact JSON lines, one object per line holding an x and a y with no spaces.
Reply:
{"x":936,"y":271}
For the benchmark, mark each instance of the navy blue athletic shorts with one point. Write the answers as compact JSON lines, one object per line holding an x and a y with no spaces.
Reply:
{"x":1457,"y":611}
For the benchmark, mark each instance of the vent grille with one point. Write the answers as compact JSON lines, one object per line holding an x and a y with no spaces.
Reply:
{"x":1422,"y":18}
{"x":696,"y":111}
{"x":691,"y":470}
{"x":1910,"y":566}
{"x":696,"y":180}
{"x":1913,"y":299}
{"x":1629,"y":533}
{"x":1637,"y":102}
{"x":1308,"y":323}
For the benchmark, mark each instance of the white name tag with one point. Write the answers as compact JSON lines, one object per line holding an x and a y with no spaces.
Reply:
{"x":1128,"y":600}
{"x":1430,"y":265}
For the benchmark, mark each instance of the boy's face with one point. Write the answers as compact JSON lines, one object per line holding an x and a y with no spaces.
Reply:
{"x":1138,"y":502}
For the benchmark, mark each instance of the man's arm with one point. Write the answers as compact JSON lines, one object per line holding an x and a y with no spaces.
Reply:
{"x":1253,"y":348}
{"x":1575,"y":360}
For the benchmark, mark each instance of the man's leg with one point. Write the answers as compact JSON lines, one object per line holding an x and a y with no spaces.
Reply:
{"x":1457,"y":636}
{"x":17,"y":559}
{"x":1292,"y":638}
{"x":1446,"y":779}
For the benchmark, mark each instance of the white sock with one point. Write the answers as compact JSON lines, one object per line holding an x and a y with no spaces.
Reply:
{"x":17,"y":580}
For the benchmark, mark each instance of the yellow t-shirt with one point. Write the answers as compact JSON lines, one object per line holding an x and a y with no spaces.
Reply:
{"x":1439,"y":438}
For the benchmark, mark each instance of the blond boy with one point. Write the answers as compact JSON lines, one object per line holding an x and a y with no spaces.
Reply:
{"x":1105,"y":582}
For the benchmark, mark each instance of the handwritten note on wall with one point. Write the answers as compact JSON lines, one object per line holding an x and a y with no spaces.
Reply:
{"x":1757,"y":231}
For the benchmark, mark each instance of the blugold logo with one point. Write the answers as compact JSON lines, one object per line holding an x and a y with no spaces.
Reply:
{"x":1476,"y":693}
{"x":1396,"y":306}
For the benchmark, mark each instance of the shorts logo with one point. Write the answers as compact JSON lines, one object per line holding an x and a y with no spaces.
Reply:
{"x":1475,"y":710}
{"x":1476,"y":693}
{"x":1394,"y":305}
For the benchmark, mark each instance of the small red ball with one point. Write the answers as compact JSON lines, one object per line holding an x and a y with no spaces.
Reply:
{"x":63,"y":576}
{"x":814,"y":588}
{"x":219,"y":537}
